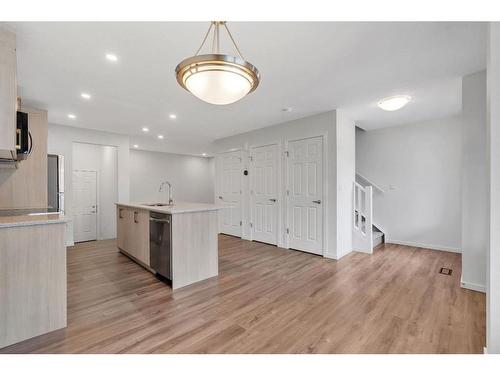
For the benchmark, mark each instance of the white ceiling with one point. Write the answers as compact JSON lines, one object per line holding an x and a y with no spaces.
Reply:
{"x":312,"y":67}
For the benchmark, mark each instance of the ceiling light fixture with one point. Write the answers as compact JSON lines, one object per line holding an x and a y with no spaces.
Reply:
{"x":144,"y":129}
{"x":71,"y":116}
{"x":160,"y":136}
{"x":172,"y":116}
{"x":394,"y":103}
{"x":204,"y":154}
{"x":136,"y":146}
{"x":111,"y":57}
{"x":85,"y":95}
{"x":217,"y":78}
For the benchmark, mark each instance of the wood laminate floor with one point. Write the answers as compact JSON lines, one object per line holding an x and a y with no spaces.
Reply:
{"x":269,"y":300}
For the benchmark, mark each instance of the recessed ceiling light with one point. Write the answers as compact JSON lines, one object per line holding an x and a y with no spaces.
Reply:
{"x":160,"y":136}
{"x":144,"y":129}
{"x":172,"y":116}
{"x":204,"y":154}
{"x":394,"y":103}
{"x":111,"y":57}
{"x":136,"y":146}
{"x":71,"y":116}
{"x":85,"y":95}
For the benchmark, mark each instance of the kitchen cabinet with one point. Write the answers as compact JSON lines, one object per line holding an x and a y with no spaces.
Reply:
{"x":8,"y":90}
{"x":133,"y":233}
{"x":26,"y":186}
{"x":193,"y":243}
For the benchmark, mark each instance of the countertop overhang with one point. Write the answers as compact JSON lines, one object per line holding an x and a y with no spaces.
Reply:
{"x":30,"y":220}
{"x":176,"y":208}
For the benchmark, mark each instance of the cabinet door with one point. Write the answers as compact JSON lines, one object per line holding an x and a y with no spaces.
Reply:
{"x":141,"y":236}
{"x":8,"y":90}
{"x":121,"y":228}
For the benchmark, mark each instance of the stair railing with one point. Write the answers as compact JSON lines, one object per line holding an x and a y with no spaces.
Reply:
{"x":362,"y":218}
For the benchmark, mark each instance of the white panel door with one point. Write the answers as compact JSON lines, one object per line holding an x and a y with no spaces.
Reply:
{"x":305,"y":195}
{"x":230,"y":193}
{"x":85,"y":207}
{"x":264,"y":193}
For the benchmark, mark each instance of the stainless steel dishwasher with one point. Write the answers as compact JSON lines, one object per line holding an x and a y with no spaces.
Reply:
{"x":160,"y":245}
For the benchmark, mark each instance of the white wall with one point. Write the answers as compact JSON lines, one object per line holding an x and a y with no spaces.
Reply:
{"x":325,"y":125}
{"x":60,"y":142}
{"x":192,"y":177}
{"x":103,"y":160}
{"x":475,"y":200}
{"x":422,"y":164}
{"x":346,"y":171}
{"x":493,"y":259}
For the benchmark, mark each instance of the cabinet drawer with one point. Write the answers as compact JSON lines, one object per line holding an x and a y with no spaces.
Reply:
{"x":140,"y":232}
{"x":124,"y":222}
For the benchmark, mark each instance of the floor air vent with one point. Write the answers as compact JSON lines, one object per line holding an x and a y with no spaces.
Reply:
{"x":446,"y":271}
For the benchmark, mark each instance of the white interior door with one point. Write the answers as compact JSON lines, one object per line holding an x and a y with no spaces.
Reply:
{"x":305,"y":194}
{"x":85,"y":207}
{"x":264,"y":193}
{"x":230,"y":193}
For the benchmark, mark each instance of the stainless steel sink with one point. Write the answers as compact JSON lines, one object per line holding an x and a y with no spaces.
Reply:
{"x":158,"y":204}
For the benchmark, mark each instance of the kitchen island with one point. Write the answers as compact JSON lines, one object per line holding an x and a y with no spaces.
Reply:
{"x":32,"y":276}
{"x":177,"y":242}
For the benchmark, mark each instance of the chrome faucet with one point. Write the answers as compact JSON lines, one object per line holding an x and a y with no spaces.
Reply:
{"x":170,"y":198}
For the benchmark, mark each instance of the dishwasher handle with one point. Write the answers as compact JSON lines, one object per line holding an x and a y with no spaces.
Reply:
{"x":160,"y":220}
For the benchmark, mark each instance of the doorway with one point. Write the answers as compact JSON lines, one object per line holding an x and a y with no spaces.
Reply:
{"x":229,"y":192}
{"x":305,"y":195}
{"x":85,"y":211}
{"x":264,"y":193}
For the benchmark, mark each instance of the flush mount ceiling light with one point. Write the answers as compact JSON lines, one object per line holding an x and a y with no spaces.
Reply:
{"x":394,"y":103}
{"x":71,"y":116}
{"x":145,"y":129}
{"x":217,"y":78}
{"x":160,"y":136}
{"x":172,"y":116}
{"x":111,"y":57}
{"x":85,"y":95}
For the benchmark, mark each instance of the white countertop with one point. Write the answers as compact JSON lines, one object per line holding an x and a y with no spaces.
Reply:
{"x":28,"y":220}
{"x":177,"y":208}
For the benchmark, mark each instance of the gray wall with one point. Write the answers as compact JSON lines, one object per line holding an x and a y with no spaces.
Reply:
{"x":419,"y":167}
{"x":192,"y":177}
{"x":493,"y":259}
{"x":475,"y":200}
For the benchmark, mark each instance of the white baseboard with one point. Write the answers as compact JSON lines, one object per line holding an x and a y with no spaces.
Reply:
{"x":424,"y":246}
{"x":472,"y":286}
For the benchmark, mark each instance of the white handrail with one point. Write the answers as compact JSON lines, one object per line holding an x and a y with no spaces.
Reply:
{"x":370,"y":182}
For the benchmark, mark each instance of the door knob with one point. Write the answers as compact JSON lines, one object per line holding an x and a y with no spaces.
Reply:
{"x":272,"y":200}
{"x":220,"y":196}
{"x":317,"y":202}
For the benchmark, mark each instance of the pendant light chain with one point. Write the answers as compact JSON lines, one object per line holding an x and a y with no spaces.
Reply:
{"x":232,"y":40}
{"x":216,"y":38}
{"x":204,"y":39}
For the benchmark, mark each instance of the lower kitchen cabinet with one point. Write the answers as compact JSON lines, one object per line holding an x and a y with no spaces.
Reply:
{"x":133,"y":233}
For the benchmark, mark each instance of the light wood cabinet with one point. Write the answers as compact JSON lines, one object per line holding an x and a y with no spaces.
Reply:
{"x":26,"y":186}
{"x":8,"y":90}
{"x":133,"y":233}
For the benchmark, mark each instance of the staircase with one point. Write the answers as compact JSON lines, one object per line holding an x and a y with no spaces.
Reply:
{"x":377,"y":237}
{"x":366,"y":236}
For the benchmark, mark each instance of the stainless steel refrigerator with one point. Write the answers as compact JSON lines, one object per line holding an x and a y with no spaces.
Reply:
{"x":55,"y":180}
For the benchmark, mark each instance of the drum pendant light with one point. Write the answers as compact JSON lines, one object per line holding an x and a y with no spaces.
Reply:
{"x":217,"y":78}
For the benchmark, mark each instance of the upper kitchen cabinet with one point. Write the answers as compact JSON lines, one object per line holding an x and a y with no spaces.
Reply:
{"x":8,"y":90}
